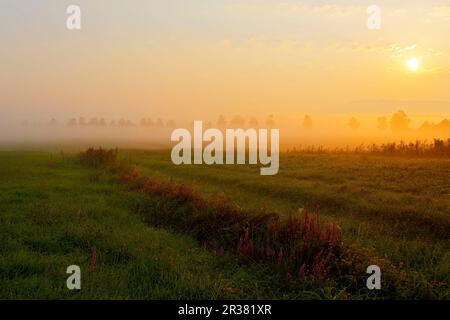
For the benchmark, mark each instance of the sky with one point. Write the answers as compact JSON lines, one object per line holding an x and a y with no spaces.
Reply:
{"x":197,"y":59}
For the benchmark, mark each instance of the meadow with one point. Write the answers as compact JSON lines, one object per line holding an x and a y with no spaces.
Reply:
{"x":56,"y":211}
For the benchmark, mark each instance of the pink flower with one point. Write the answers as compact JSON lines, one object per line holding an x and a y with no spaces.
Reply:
{"x":93,"y":260}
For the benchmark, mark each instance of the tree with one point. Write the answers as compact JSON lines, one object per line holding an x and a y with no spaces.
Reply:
{"x":382,"y":123}
{"x":253,"y":123}
{"x":237,"y":122}
{"x":307,"y":122}
{"x":400,"y":121}
{"x":53,"y":123}
{"x":72,"y":122}
{"x":221,"y":122}
{"x":353,"y":123}
{"x":102,"y":122}
{"x":270,"y":121}
{"x":129,"y":123}
{"x":444,"y":125}
{"x":93,"y":122}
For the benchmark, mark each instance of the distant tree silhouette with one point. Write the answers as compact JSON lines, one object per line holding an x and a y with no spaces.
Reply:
{"x":102,"y":122}
{"x":147,"y":122}
{"x":444,"y":125}
{"x":129,"y":123}
{"x":237,"y":122}
{"x":253,"y":123}
{"x":270,"y":121}
{"x":400,"y":121}
{"x":150,"y":122}
{"x":208,"y":125}
{"x":383,"y":123}
{"x":159,"y":122}
{"x":82,"y":121}
{"x":93,"y":122}
{"x":353,"y":123}
{"x":53,"y":123}
{"x":221,"y":122}
{"x":170,"y":124}
{"x":426,"y":126}
{"x":307,"y":122}
{"x":72,"y":122}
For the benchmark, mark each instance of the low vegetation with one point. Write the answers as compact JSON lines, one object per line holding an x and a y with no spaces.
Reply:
{"x":155,"y":230}
{"x":98,"y":157}
{"x":437,"y":148}
{"x":298,"y":246}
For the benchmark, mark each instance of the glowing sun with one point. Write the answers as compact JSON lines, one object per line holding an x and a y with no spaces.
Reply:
{"x":413,"y":64}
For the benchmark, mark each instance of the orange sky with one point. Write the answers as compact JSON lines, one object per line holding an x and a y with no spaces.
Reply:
{"x":198,"y":59}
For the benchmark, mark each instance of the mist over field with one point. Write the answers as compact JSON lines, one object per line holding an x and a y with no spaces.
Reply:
{"x":182,"y":62}
{"x":154,"y":133}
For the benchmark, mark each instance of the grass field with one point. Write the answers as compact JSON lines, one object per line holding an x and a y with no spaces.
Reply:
{"x":54,"y":212}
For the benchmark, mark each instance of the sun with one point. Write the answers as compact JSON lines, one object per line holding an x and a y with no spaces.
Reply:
{"x":413,"y":64}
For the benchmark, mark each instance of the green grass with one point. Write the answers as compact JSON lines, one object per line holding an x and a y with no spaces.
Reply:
{"x":395,"y":207}
{"x":53,"y":212}
{"x":52,"y":215}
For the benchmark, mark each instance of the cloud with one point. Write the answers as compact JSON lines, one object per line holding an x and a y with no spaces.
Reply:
{"x":440,"y":12}
{"x":400,"y":51}
{"x":396,"y":50}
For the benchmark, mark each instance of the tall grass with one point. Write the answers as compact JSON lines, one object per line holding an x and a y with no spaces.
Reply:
{"x":297,"y":246}
{"x":437,"y":148}
{"x":98,"y":157}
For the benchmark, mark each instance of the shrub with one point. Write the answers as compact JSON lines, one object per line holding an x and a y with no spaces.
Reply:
{"x":98,"y":157}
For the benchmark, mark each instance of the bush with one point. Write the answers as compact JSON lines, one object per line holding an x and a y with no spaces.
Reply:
{"x":98,"y":157}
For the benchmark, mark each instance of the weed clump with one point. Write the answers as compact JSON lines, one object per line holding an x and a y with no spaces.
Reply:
{"x":98,"y":157}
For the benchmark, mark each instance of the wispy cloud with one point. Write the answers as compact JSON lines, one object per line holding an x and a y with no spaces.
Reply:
{"x":440,"y":12}
{"x":400,"y":51}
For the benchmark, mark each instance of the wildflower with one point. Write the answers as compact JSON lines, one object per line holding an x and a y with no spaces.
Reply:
{"x":93,"y":260}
